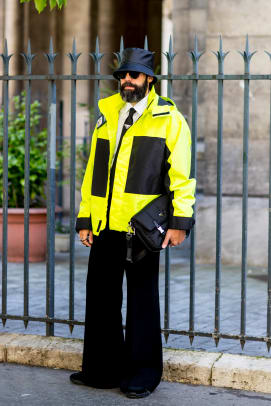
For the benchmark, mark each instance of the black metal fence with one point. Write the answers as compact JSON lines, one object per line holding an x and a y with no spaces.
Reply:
{"x":194,"y":79}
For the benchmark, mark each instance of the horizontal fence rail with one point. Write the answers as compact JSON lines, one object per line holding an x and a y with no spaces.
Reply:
{"x":50,"y":320}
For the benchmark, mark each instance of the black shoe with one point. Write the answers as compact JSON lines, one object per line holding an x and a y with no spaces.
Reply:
{"x":137,"y":392}
{"x":79,"y":379}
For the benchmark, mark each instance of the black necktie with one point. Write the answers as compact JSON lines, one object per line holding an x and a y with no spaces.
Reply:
{"x":127,"y":124}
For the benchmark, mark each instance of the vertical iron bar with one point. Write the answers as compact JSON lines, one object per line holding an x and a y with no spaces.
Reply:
{"x":85,"y":141}
{"x":195,"y":55}
{"x":73,"y":57}
{"x":28,"y":59}
{"x":60,"y":170}
{"x":51,"y":189}
{"x":26,"y":199}
{"x":247,"y":57}
{"x":120,"y":54}
{"x":6,"y":59}
{"x":268,"y":327}
{"x":97,"y":61}
{"x":220,"y":56}
{"x":244,"y":210}
{"x":170,"y":55}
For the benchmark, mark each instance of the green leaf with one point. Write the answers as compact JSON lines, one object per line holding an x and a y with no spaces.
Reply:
{"x":52,"y":4}
{"x":40,"y":5}
{"x":61,"y":3}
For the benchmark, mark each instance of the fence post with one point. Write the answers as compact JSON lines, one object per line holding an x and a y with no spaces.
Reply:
{"x":28,"y":59}
{"x":6,"y":58}
{"x":247,"y":55}
{"x":74,"y":58}
{"x":96,"y":56}
{"x":51,"y":169}
{"x":195,"y":56}
{"x":170,"y":55}
{"x":220,"y":58}
{"x":268,"y":327}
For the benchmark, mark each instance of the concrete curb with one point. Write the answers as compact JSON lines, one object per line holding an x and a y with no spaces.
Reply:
{"x":193,"y":367}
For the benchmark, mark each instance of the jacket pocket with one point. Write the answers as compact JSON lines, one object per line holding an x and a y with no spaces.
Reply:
{"x":100,"y":170}
{"x":146,"y":167}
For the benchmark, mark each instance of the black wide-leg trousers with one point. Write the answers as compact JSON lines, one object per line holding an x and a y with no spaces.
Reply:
{"x":109,"y":358}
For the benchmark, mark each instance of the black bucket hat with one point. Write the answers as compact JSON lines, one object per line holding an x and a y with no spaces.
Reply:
{"x":137,"y":60}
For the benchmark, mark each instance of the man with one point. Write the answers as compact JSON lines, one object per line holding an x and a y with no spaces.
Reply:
{"x":140,"y":150}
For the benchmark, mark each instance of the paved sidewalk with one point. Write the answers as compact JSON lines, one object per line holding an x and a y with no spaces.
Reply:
{"x":179,"y":306}
{"x":32,"y":386}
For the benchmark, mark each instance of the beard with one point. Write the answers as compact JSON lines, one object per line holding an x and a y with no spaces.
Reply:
{"x":132,"y":96}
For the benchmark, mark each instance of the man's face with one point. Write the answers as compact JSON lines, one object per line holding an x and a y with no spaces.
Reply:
{"x":133,"y":90}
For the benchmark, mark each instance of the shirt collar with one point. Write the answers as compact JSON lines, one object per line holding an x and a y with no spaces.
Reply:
{"x":139,"y":107}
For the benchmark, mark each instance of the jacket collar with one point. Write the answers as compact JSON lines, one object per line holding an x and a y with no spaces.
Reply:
{"x":113,"y":104}
{"x":110,"y":106}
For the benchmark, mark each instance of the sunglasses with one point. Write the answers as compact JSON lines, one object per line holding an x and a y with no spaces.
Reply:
{"x":132,"y":74}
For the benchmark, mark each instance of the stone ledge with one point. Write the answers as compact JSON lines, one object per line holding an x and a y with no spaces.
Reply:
{"x":186,"y":366}
{"x":242,"y":372}
{"x":51,"y":352}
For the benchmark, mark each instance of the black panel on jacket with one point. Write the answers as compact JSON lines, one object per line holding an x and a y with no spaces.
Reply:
{"x":162,"y":102}
{"x":147,"y":166}
{"x":83,"y":223}
{"x":167,"y":168}
{"x":100,"y":170}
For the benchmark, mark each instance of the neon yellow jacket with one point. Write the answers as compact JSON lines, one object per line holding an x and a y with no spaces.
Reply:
{"x":154,"y":158}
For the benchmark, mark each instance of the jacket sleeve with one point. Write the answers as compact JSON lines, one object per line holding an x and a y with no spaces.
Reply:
{"x":182,"y":188}
{"x":83,"y":221}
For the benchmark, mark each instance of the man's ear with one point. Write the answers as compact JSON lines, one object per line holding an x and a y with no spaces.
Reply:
{"x":150,"y":79}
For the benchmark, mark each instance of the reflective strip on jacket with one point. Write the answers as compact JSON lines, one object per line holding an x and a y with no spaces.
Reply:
{"x":154,"y":158}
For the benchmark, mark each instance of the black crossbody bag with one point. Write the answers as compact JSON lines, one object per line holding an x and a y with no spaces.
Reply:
{"x":150,"y":225}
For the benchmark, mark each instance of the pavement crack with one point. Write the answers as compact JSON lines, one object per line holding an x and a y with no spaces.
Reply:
{"x":211,"y":375}
{"x":5,"y":354}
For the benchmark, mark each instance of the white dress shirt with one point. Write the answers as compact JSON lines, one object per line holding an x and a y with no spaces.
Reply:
{"x":123,"y":114}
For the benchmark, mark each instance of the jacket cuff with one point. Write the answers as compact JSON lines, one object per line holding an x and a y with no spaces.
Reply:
{"x":83,"y":223}
{"x":181,"y":223}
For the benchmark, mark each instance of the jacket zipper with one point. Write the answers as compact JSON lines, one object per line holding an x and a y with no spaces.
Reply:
{"x":99,"y":226}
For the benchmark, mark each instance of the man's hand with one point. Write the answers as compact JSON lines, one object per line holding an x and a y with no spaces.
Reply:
{"x":174,"y":237}
{"x":86,"y":237}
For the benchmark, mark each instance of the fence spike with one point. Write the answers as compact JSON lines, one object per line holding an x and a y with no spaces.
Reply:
{"x":119,"y":54}
{"x":268,"y":344}
{"x":51,"y":56}
{"x":216,"y":341}
{"x":71,"y":326}
{"x":121,"y":44}
{"x":4,"y":321}
{"x":74,"y":57}
{"x":195,"y":55}
{"x":97,"y":56}
{"x":28,"y":57}
{"x":191,"y":338}
{"x":247,"y":44}
{"x":247,"y":55}
{"x":25,"y":324}
{"x":6,"y":57}
{"x":220,"y":56}
{"x":242,"y":342}
{"x":166,"y":335}
{"x":146,"y":45}
{"x":170,"y":55}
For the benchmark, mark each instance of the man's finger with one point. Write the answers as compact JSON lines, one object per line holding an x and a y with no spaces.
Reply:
{"x":166,"y":240}
{"x":90,"y":238}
